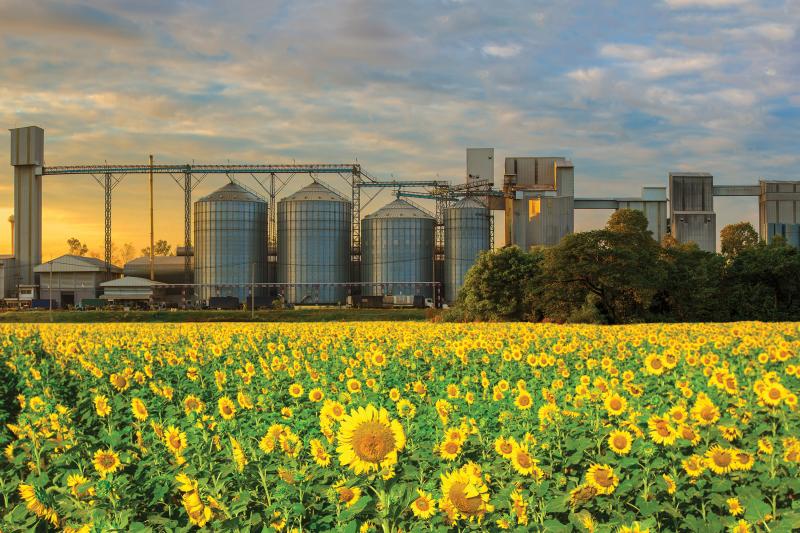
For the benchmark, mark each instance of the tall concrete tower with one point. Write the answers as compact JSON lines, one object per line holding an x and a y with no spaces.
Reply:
{"x":27,"y":158}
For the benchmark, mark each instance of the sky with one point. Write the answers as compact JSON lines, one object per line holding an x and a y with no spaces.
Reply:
{"x":628,"y":90}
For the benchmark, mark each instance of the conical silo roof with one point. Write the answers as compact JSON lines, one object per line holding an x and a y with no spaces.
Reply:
{"x":469,"y":202}
{"x":232,"y":192}
{"x":399,"y":209}
{"x":315,"y":191}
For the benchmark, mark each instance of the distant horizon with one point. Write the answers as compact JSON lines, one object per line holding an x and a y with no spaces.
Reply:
{"x":627,"y":93}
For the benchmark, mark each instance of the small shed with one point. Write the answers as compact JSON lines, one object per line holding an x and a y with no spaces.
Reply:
{"x":133,"y":290}
{"x":69,"y":279}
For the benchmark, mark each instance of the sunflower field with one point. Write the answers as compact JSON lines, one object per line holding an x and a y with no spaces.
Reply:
{"x":400,"y":427}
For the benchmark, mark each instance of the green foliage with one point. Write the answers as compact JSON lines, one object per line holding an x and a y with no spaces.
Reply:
{"x":735,"y":238}
{"x":500,"y":285}
{"x":616,"y":270}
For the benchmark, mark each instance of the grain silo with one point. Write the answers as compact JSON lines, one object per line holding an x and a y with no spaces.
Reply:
{"x":466,"y":234}
{"x":314,"y":245}
{"x":230,"y":231}
{"x":397,"y":248}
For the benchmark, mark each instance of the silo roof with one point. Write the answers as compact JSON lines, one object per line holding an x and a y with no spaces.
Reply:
{"x":232,"y":192}
{"x":399,"y":209}
{"x":315,"y":191}
{"x":469,"y":202}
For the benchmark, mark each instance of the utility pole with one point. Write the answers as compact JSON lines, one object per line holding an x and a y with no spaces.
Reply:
{"x":152,"y":250}
{"x":50,"y":291}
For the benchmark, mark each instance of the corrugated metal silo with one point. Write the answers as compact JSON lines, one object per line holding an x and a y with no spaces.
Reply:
{"x":314,"y":244}
{"x":466,"y":234}
{"x":397,"y":247}
{"x":230,"y":232}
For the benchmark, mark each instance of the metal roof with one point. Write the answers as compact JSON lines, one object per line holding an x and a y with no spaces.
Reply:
{"x":399,"y":209}
{"x":315,"y":191}
{"x":131,"y":281}
{"x":232,"y":192}
{"x":76,"y":263}
{"x":159,"y":260}
{"x":469,"y":202}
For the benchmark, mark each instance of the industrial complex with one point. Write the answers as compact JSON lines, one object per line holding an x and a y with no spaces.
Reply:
{"x":248,"y":247}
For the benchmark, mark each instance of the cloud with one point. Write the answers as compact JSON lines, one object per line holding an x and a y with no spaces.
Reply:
{"x":402,"y":87}
{"x":681,"y":4}
{"x":502,"y":51}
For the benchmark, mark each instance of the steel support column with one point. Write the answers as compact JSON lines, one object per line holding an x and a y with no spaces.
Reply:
{"x":187,"y":225}
{"x":107,"y":186}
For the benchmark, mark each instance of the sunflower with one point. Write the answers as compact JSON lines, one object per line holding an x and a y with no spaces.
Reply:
{"x":505,"y":446}
{"x":106,"y":462}
{"x":602,"y":478}
{"x":348,"y":496}
{"x":75,"y":482}
{"x":720,"y":460}
{"x":765,"y":446}
{"x":620,"y":442}
{"x":424,"y":506}
{"x":686,"y":432}
{"x":192,"y":404}
{"x":334,"y":410}
{"x":139,"y":409}
{"x":226,"y":408}
{"x":295,"y":390}
{"x":523,"y":401}
{"x":694,"y":465}
{"x":523,"y":462}
{"x":743,"y":460}
{"x":175,"y":440}
{"x":369,"y":440}
{"x":772,"y":394}
{"x":661,"y":431}
{"x":119,"y":381}
{"x":35,"y":499}
{"x":734,"y":506}
{"x":244,"y":400}
{"x":464,"y":494}
{"x":615,"y":404}
{"x":704,"y":411}
{"x":519,"y":507}
{"x":740,"y":527}
{"x":669,"y":482}
{"x":634,"y":528}
{"x":654,"y":365}
{"x":581,"y":494}
{"x":319,"y":453}
{"x":449,"y":449}
{"x":316,"y":395}
{"x":678,"y":414}
{"x":101,"y":405}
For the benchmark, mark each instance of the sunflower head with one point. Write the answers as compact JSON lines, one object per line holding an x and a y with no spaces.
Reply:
{"x":369,"y":440}
{"x":464,"y":494}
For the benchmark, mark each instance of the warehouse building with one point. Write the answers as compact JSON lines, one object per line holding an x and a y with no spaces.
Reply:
{"x":69,"y":279}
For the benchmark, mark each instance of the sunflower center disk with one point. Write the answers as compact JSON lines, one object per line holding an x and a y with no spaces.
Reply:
{"x":372,"y":441}
{"x":465,"y":504}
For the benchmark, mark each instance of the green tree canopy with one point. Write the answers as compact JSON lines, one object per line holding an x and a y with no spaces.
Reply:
{"x":734,"y":238}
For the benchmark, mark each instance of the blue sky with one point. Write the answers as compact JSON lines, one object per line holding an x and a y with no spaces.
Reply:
{"x":629,"y":90}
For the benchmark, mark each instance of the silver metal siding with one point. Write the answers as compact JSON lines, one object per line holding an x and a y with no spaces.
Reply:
{"x":230,"y":242}
{"x":314,"y":247}
{"x":397,"y":250}
{"x":466,"y":234}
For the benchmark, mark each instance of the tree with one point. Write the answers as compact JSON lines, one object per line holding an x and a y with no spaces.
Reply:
{"x":76,"y":247}
{"x":161,"y":248}
{"x":615,"y":270}
{"x":628,"y":221}
{"x":737,"y":237}
{"x":500,"y":285}
{"x":762,"y":282}
{"x":692,"y":284}
{"x":127,"y":252}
